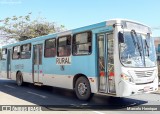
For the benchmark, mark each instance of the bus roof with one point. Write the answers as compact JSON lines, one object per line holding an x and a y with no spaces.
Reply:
{"x":80,"y":29}
{"x":119,"y":20}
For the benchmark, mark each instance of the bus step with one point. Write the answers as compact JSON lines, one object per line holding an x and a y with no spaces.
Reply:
{"x":38,"y":84}
{"x":108,"y":94}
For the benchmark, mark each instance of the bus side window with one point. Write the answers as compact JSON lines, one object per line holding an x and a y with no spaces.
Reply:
{"x":4,"y":54}
{"x":25,"y":51}
{"x":64,"y":46}
{"x":50,"y":48}
{"x":82,"y":43}
{"x":16,"y":52}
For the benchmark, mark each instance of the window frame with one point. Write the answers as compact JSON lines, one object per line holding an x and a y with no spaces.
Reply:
{"x":64,"y":45}
{"x":74,"y":37}
{"x":50,"y":48}
{"x":24,"y":51}
{"x":13,"y":52}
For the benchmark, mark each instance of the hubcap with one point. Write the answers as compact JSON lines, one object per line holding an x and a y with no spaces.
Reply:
{"x":82,"y":88}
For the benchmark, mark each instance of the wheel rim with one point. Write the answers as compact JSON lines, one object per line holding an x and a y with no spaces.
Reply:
{"x":82,"y":88}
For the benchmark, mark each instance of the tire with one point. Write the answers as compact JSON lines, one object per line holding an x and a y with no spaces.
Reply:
{"x":19,"y":79}
{"x":83,"y":89}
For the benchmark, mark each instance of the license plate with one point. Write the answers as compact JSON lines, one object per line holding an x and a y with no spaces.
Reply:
{"x":146,"y":88}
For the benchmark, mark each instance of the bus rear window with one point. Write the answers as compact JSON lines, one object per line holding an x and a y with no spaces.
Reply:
{"x":82,"y":43}
{"x":26,"y":51}
{"x":50,"y":48}
{"x":64,"y":46}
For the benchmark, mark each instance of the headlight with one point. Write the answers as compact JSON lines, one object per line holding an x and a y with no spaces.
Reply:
{"x":127,"y":78}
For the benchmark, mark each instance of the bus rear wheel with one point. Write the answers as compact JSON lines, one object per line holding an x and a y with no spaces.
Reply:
{"x":19,"y":79}
{"x":82,"y":88}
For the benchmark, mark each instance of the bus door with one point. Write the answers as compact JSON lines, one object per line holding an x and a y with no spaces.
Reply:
{"x":106,"y":63}
{"x":9,"y":64}
{"x":37,"y":63}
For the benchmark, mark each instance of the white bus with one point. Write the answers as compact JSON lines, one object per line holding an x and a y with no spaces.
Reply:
{"x":115,"y":57}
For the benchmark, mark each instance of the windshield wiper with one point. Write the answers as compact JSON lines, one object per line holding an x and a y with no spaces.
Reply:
{"x":148,"y":37}
{"x":136,"y":43}
{"x":146,"y":45}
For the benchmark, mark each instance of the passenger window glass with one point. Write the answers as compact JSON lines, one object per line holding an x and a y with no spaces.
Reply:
{"x":40,"y":54}
{"x":50,"y":48}
{"x":64,"y":46}
{"x":82,"y":44}
{"x":110,"y":53}
{"x":16,"y":52}
{"x":26,"y":51}
{"x":101,"y":53}
{"x":35,"y":55}
{"x":4,"y":54}
{"x":81,"y":38}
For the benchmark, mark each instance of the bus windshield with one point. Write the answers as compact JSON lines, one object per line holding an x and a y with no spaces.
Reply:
{"x":137,"y":50}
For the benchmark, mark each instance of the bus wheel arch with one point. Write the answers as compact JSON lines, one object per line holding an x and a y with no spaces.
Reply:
{"x":82,"y":87}
{"x":19,"y":78}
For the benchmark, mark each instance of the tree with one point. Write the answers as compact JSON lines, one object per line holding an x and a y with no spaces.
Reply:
{"x":22,"y":27}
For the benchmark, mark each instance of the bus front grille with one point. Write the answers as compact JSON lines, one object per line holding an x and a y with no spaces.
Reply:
{"x":143,"y":83}
{"x":144,"y":73}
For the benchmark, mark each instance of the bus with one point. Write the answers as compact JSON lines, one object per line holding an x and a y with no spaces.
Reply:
{"x":115,"y":57}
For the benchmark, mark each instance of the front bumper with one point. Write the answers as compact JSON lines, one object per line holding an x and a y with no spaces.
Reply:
{"x":128,"y":89}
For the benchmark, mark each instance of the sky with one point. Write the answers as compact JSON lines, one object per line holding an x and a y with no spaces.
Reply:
{"x":77,"y":13}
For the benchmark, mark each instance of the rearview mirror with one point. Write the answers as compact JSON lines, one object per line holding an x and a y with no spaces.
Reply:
{"x":120,"y":37}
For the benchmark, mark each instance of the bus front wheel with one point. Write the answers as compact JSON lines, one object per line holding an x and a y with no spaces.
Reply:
{"x":82,"y":88}
{"x":19,"y":79}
